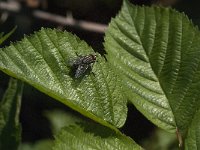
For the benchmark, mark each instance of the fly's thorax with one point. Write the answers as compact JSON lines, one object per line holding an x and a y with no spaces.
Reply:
{"x":88,"y":59}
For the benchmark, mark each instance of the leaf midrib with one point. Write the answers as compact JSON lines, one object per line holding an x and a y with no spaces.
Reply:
{"x":150,"y":63}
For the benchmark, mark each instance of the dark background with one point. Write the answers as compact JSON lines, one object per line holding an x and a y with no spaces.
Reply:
{"x":35,"y":126}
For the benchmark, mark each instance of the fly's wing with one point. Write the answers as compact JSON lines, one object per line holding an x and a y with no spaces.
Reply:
{"x":70,"y":62}
{"x":75,"y":61}
{"x":78,"y":61}
{"x":81,"y":70}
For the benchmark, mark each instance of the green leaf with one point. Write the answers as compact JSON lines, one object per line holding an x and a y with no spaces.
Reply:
{"x":39,"y":145}
{"x":43,"y":60}
{"x":10,"y":129}
{"x":161,"y":140}
{"x":94,"y":137}
{"x":192,"y":140}
{"x":4,"y":37}
{"x":59,"y":119}
{"x":157,"y":52}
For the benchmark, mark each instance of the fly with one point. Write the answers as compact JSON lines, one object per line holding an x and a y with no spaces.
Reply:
{"x":82,"y":64}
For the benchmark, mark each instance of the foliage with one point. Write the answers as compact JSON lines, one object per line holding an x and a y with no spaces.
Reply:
{"x":10,"y":129}
{"x":5,"y":37}
{"x":157,"y":54}
{"x":153,"y":61}
{"x":92,"y":136}
{"x":43,"y":60}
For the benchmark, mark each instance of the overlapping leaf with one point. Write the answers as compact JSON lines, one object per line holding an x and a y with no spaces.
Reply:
{"x":90,"y":136}
{"x":157,"y":52}
{"x":10,"y":129}
{"x":4,"y":37}
{"x":43,"y":60}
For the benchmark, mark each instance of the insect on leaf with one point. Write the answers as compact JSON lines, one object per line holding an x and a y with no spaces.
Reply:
{"x":42,"y":60}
